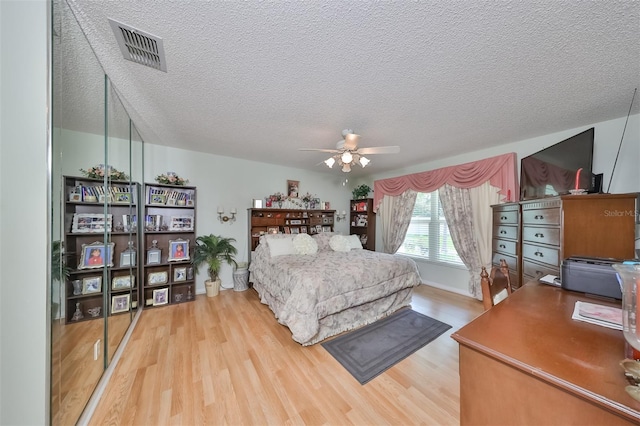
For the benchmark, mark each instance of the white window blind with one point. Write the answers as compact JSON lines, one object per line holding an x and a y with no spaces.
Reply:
{"x":428,"y":234}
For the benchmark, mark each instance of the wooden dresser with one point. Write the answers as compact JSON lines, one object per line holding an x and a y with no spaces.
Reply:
{"x":506,"y":239}
{"x":594,"y":225}
{"x":526,"y":362}
{"x":535,"y":236}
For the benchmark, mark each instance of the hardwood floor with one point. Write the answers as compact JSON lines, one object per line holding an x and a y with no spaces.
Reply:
{"x":226,"y":361}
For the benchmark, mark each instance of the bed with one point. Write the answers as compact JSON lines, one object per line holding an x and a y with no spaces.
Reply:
{"x":334,"y":288}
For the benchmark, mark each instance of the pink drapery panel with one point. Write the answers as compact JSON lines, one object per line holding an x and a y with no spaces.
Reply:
{"x":500,"y":171}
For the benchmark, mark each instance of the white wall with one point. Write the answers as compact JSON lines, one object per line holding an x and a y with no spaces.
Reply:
{"x":24,"y":334}
{"x":607,"y":140}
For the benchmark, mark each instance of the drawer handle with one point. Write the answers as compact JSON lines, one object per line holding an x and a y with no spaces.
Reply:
{"x":502,"y":246}
{"x":539,"y":254}
{"x":539,"y":235}
{"x":503,"y":218}
{"x":539,"y":217}
{"x":503,"y":232}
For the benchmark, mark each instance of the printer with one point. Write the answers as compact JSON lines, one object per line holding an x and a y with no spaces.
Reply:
{"x":591,"y":275}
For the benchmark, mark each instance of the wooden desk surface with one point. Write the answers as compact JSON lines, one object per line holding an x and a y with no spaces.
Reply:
{"x":532,"y":331}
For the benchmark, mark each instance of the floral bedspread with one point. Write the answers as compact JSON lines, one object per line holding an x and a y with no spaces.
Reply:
{"x":323,"y":294}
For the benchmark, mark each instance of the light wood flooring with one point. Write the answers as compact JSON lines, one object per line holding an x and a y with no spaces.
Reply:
{"x":226,"y":361}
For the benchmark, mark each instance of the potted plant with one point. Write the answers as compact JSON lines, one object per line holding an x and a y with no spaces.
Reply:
{"x":213,"y":250}
{"x":361,"y":191}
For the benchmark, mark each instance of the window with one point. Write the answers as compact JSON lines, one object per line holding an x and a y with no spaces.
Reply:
{"x":428,"y":234}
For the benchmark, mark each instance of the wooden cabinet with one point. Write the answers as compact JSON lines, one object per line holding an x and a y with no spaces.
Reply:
{"x":363,"y":222}
{"x":506,"y":239}
{"x":100,"y":248}
{"x":535,"y":236}
{"x":169,"y":241}
{"x":593,"y":225}
{"x":287,"y":221}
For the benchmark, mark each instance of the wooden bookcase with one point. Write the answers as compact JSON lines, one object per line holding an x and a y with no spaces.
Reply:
{"x":108,"y":286}
{"x":363,"y":222}
{"x":287,"y":221}
{"x":169,"y":226}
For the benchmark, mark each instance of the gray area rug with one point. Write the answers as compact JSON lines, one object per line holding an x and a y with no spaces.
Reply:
{"x":374,"y":348}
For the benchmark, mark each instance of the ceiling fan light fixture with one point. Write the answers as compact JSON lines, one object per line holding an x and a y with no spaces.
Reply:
{"x":346,"y":167}
{"x":329,"y":162}
{"x":364,"y":161}
{"x":346,"y":157}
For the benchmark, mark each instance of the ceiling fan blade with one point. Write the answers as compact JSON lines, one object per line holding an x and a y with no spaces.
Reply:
{"x":333,"y":151}
{"x":379,"y":150}
{"x":351,"y":141}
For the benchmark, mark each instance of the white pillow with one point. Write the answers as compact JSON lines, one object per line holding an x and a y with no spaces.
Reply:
{"x":339,"y":243}
{"x":305,"y":244}
{"x":280,"y":246}
{"x":354,"y":241}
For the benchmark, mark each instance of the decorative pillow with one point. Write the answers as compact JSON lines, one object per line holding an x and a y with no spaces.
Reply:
{"x":322,"y":239}
{"x":305,"y":244}
{"x":340,"y":243}
{"x":354,"y":241}
{"x":280,"y":245}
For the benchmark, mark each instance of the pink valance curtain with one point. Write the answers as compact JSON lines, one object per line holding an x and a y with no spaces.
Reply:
{"x":500,"y":171}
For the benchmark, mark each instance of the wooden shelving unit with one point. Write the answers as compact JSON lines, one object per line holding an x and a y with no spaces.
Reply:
{"x":363,"y":222}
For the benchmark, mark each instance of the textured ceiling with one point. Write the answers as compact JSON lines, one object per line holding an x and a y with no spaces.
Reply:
{"x":258,"y":80}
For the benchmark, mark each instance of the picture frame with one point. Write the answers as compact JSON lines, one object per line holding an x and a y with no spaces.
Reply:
{"x":120,"y":303}
{"x":295,"y":230}
{"x":122,"y":282}
{"x":181,"y":223}
{"x":75,"y":197}
{"x":157,"y":199}
{"x":160,"y":296}
{"x":318,"y":228}
{"x":326,"y":229}
{"x":91,"y":285}
{"x":273,"y":230}
{"x":154,"y":254}
{"x":180,"y":274}
{"x":178,"y":250}
{"x":303,"y":229}
{"x":287,"y":230}
{"x":293,"y":188}
{"x":155,"y":278}
{"x":91,"y":223}
{"x":96,"y":255}
{"x":128,"y":257}
{"x":122,"y":198}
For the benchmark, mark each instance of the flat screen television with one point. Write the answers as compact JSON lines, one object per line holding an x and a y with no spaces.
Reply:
{"x":556,"y":169}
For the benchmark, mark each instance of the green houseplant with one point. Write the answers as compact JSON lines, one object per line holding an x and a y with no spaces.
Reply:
{"x":213,"y":250}
{"x":361,"y":191}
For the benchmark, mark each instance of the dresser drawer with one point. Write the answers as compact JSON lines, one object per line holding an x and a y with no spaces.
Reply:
{"x":505,"y":231}
{"x":536,"y":270}
{"x":505,"y":246}
{"x":541,"y":216}
{"x":550,"y":256}
{"x":505,"y":217}
{"x":512,"y":262}
{"x":541,"y":235}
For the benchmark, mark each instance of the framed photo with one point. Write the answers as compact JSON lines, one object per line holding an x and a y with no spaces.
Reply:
{"x":91,"y":223}
{"x":178,"y":250}
{"x":303,"y":229}
{"x":91,"y":285}
{"x":326,"y":229}
{"x":157,"y":278}
{"x":272,"y":230}
{"x":295,"y":230}
{"x":181,"y":223}
{"x":122,"y":197}
{"x":293,"y":188}
{"x":160,"y":296}
{"x":180,"y":274}
{"x":287,"y":230}
{"x":96,"y":255}
{"x":157,"y":199}
{"x":120,"y":303}
{"x":125,"y":281}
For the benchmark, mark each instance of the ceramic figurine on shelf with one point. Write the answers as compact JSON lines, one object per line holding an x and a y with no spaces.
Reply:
{"x":189,"y":294}
{"x":77,"y":287}
{"x":77,"y":315}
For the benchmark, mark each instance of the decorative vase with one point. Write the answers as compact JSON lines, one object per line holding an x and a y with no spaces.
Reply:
{"x":77,"y":287}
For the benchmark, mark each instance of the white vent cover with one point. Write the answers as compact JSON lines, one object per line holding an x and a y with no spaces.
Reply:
{"x":139,"y":47}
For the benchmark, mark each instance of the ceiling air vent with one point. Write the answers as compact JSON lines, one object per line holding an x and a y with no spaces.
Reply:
{"x":139,"y":47}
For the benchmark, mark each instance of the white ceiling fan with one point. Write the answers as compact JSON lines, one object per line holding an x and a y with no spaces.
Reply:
{"x":347,"y":152}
